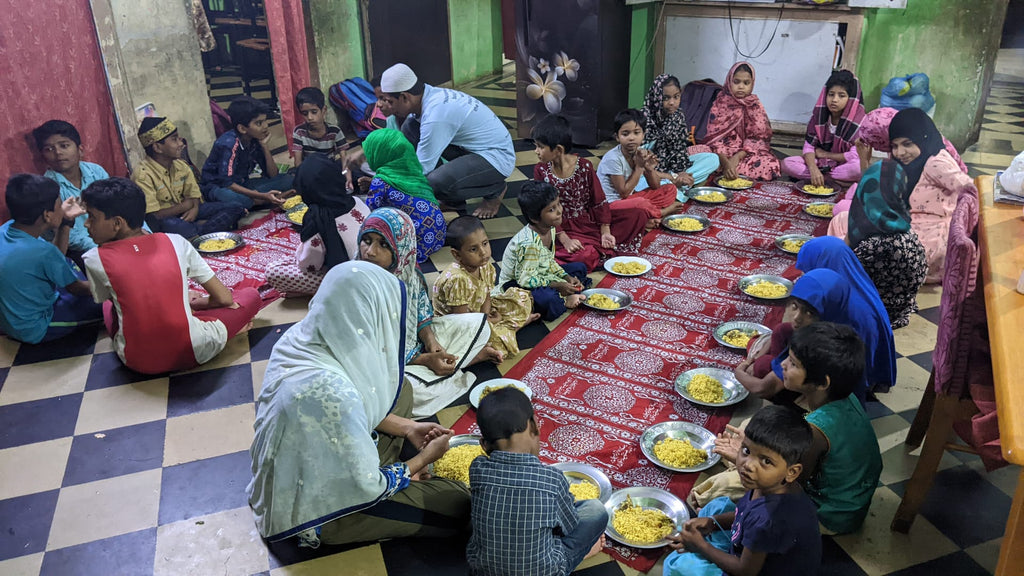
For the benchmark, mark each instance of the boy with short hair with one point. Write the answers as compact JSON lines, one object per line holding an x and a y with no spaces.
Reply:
{"x":145,"y":276}
{"x":525,"y":520}
{"x":315,"y":135}
{"x":41,"y":296}
{"x":61,"y":147}
{"x":628,"y":172}
{"x":529,"y":259}
{"x":174,"y":203}
{"x":225,"y":176}
{"x":843,"y":464}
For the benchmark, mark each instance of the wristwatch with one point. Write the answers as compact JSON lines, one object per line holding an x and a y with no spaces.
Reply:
{"x":69,"y":222}
{"x":673,"y":175}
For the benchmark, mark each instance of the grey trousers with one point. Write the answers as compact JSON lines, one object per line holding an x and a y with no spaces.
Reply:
{"x":464,"y":175}
{"x":430,"y":508}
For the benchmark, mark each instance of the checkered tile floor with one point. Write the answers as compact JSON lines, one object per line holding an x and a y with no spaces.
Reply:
{"x":105,"y":472}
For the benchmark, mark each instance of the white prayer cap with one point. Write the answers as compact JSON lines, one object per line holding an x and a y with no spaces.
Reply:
{"x":398,"y":78}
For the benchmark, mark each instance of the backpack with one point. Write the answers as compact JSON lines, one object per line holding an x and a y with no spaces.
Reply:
{"x":356,"y":98}
{"x":698,"y":96}
{"x":221,"y":120}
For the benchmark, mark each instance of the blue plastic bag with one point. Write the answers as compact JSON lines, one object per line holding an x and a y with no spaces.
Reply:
{"x":905,"y":92}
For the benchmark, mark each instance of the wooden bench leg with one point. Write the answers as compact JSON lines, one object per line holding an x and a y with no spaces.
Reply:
{"x":1011,"y":553}
{"x":924,"y":414}
{"x":943,"y":415}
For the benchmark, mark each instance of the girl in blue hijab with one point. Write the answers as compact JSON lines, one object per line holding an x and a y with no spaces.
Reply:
{"x":864,"y":310}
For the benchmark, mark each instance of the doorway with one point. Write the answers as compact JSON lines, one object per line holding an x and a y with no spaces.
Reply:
{"x":389,"y":24}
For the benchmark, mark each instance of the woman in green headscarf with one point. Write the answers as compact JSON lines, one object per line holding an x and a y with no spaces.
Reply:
{"x":880,"y":235}
{"x":399,"y":183}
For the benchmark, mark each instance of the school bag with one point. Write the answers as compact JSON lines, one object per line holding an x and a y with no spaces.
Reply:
{"x":696,"y":101}
{"x":356,"y":99}
{"x":221,"y":120}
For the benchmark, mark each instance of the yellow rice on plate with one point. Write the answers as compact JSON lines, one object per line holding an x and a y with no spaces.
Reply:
{"x":818,"y":190}
{"x":489,"y":389}
{"x":766,"y":289}
{"x":292,"y":202}
{"x":217,"y":244}
{"x":706,"y":389}
{"x":738,"y":338}
{"x":603,"y":302}
{"x":712,"y":197}
{"x":585,"y":491}
{"x":736,"y":183}
{"x":454,"y":465}
{"x":793,"y":245}
{"x":679,"y":453}
{"x":685,"y":224}
{"x":296,"y":216}
{"x":641,"y":526}
{"x":821,"y":210}
{"x":630,"y":267}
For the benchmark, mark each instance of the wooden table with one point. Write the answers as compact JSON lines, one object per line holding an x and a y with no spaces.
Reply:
{"x":1001,"y":239}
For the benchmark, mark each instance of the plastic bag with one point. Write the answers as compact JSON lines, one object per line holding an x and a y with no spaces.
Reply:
{"x":1012,"y":179}
{"x":908,"y":92}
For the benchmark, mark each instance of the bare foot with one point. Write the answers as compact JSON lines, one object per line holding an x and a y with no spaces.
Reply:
{"x":489,"y":208}
{"x":489,"y":353}
{"x":532,"y":318}
{"x":245,"y":328}
{"x":596,"y":549}
{"x":574,"y":300}
{"x":672,"y":209}
{"x":653,"y":223}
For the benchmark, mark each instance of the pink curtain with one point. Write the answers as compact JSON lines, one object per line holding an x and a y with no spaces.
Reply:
{"x":287,"y":30}
{"x":51,"y":68}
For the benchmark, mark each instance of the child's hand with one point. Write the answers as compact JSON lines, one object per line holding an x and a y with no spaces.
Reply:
{"x":650,"y":163}
{"x":863,"y":148}
{"x":817,"y":178}
{"x":436,"y":447}
{"x":571,"y":245}
{"x":191,"y":214}
{"x":683,"y":179}
{"x":494,"y":316}
{"x":421,"y":433}
{"x":691,"y":538}
{"x":729,"y":169}
{"x":573,"y":301}
{"x":743,"y":368}
{"x":703,"y":525}
{"x":440,"y":363}
{"x":72,"y":208}
{"x":675,"y":542}
{"x":727,"y":444}
{"x":364,"y":184}
{"x":275,"y":197}
{"x":608,"y":241}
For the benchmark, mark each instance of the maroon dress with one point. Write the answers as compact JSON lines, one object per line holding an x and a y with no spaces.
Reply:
{"x":584,"y":210}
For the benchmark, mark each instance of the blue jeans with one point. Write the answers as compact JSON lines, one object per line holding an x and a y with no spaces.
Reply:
{"x":212,"y":217}
{"x":547,"y":301}
{"x":71,"y":311}
{"x":593,"y":521}
{"x":282,"y":182}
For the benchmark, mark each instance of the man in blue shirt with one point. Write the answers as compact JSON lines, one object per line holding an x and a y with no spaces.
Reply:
{"x":447,"y":123}
{"x":41,"y":296}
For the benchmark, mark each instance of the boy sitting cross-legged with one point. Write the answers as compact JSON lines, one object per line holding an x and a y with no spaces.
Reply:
{"x":174,"y":203}
{"x":155,"y":323}
{"x":525,"y":520}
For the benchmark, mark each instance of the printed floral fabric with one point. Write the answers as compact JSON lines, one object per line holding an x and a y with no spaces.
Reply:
{"x":897,"y":265}
{"x":457,"y":287}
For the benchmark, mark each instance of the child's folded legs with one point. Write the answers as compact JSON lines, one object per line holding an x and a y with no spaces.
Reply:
{"x":235,"y":319}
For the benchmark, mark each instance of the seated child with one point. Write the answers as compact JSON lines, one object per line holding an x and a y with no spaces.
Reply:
{"x":174,"y":203}
{"x":145,"y":276}
{"x":773,"y":528}
{"x":466,"y":287}
{"x":590,"y":230}
{"x":842,"y":466}
{"x":831,"y":133}
{"x":61,"y":147}
{"x":739,"y":130}
{"x":628,"y":172}
{"x":668,"y":136}
{"x":225,"y":176}
{"x":315,"y":135}
{"x":330,"y":228}
{"x":529,"y":260}
{"x":41,"y":296}
{"x":525,"y":520}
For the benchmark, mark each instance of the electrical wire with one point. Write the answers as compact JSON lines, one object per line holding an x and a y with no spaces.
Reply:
{"x":732,"y":33}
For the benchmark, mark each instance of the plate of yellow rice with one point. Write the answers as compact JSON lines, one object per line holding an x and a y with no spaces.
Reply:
{"x":585,"y":481}
{"x":627,"y":265}
{"x":709,"y":194}
{"x":792,"y":243}
{"x":766,"y":286}
{"x":217,"y":242}
{"x":454,"y":464}
{"x":831,"y":188}
{"x":740,"y":182}
{"x":737,"y":334}
{"x":642,"y":517}
{"x":712,"y":387}
{"x":679,"y":446}
{"x":820,"y":209}
{"x":484,"y":388}
{"x":606,"y":299}
{"x":685,"y":223}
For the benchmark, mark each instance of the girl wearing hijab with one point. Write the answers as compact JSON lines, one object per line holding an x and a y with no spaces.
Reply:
{"x":399,"y":182}
{"x":436,"y":349}
{"x":668,"y":136}
{"x":331,"y":420}
{"x":934,"y":179}
{"x":329,"y":228}
{"x":831,"y":133}
{"x":739,"y":130}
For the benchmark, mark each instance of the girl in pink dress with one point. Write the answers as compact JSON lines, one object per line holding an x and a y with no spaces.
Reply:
{"x":739,"y":130}
{"x":831,"y":133}
{"x":591,"y":230}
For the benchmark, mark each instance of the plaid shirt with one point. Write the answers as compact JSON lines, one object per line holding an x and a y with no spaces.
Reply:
{"x":520,"y":508}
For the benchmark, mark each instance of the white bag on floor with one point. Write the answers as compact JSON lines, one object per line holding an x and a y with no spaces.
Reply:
{"x":1012,"y":179}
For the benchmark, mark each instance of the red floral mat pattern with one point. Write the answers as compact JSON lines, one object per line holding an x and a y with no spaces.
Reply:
{"x":599,"y":380}
{"x":268,"y":240}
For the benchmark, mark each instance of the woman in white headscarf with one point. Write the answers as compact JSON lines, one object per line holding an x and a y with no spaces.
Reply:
{"x":331,"y":420}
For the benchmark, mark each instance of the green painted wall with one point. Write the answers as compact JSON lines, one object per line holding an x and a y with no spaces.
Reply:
{"x":337,"y":35}
{"x":475,"y":27}
{"x":953,"y":41}
{"x":641,"y":53}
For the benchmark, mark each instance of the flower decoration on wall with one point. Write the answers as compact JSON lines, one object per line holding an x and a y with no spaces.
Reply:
{"x":567,"y":66}
{"x":543,"y":66}
{"x":551,"y":90}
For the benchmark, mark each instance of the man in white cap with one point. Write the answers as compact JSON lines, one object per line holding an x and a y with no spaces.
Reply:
{"x":442,"y":122}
